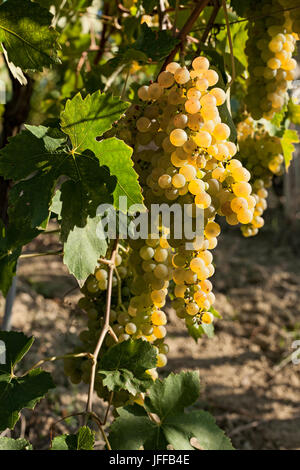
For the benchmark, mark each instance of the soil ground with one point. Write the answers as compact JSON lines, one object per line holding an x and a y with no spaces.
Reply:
{"x":253,"y":393}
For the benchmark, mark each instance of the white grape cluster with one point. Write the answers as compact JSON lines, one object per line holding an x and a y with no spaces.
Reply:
{"x":271,"y":67}
{"x":262,"y":155}
{"x":182,"y":154}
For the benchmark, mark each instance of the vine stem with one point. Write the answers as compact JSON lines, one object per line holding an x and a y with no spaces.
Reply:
{"x":185,"y":31}
{"x":46,"y":253}
{"x":105,"y":328}
{"x":210,"y":23}
{"x":56,"y":358}
{"x":230,"y":45}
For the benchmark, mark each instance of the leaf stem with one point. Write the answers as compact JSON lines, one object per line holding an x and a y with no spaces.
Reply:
{"x":56,"y":358}
{"x":46,"y":253}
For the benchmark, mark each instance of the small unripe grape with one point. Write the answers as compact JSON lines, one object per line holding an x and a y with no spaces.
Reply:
{"x":211,"y":76}
{"x":155,"y":91}
{"x":203,"y":200}
{"x":158,"y":318}
{"x":219,"y":94}
{"x":189,"y":172}
{"x":193,"y":93}
{"x":242,"y":189}
{"x":203,"y":139}
{"x":159,"y":331}
{"x":165,"y":181}
{"x":238,"y":203}
{"x":192,"y":105}
{"x":146,"y":253}
{"x":172,"y":67}
{"x":101,"y":274}
{"x":182,"y":75}
{"x":161,"y":271}
{"x":178,"y":137}
{"x":143,"y":124}
{"x":200,"y":63}
{"x":160,"y":255}
{"x":221,"y":131}
{"x":207,"y":317}
{"x":180,"y":290}
{"x":206,"y":286}
{"x":245,"y":216}
{"x":196,"y":186}
{"x":165,"y":79}
{"x":202,"y":84}
{"x":180,"y":120}
{"x":208,"y":100}
{"x":241,"y":174}
{"x":192,"y":308}
{"x":130,"y":328}
{"x":161,"y":360}
{"x":143,"y":93}
{"x":212,"y":230}
{"x":178,"y":180}
{"x":197,"y":264}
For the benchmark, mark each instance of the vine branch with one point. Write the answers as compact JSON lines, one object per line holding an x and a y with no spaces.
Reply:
{"x":105,"y":328}
{"x":185,"y":31}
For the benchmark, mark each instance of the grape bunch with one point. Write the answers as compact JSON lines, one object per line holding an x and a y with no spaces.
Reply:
{"x":271,"y":67}
{"x":262,"y":155}
{"x":182,"y":155}
{"x":140,"y":317}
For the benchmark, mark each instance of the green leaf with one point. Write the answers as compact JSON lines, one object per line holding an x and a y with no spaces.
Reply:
{"x":124,"y":366}
{"x":85,"y":119}
{"x":116,"y":155}
{"x":84,"y":439}
{"x":294,"y":112}
{"x":199,"y":425}
{"x":155,"y":44}
{"x":83,"y":248}
{"x":215,"y":312}
{"x":29,"y":39}
{"x":7,"y":443}
{"x":8,"y":268}
{"x":173,"y":394}
{"x":167,"y":399}
{"x":17,"y":345}
{"x":17,"y":393}
{"x":289,"y":138}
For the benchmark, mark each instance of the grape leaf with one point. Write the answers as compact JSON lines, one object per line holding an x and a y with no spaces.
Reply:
{"x":83,"y":248}
{"x":155,"y":44}
{"x":84,"y":439}
{"x":7,"y":443}
{"x":149,"y":5}
{"x":8,"y":268}
{"x":17,"y":393}
{"x":289,"y":138}
{"x":167,"y":400}
{"x":124,"y":366}
{"x":25,"y":29}
{"x":85,"y":119}
{"x":97,"y":112}
{"x":116,"y":155}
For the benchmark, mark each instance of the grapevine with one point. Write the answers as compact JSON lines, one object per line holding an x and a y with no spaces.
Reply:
{"x":134,"y":132}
